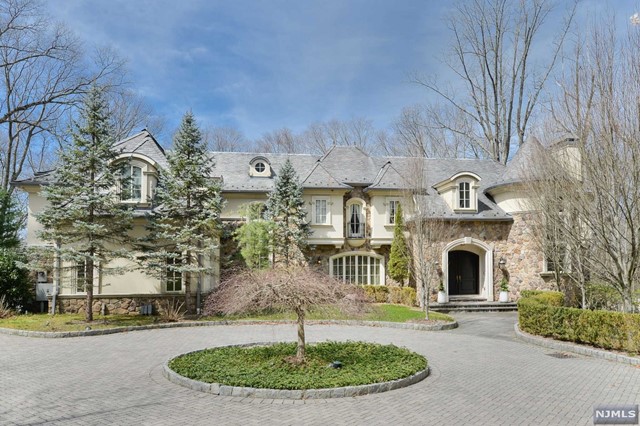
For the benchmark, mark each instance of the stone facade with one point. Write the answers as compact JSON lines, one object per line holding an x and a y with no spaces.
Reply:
{"x":119,"y":305}
{"x":512,"y":241}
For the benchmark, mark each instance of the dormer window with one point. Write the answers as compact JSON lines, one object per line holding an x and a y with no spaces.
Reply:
{"x":138,"y":176}
{"x":259,"y":167}
{"x":131,"y":183}
{"x":460,"y":192}
{"x":464,"y":195}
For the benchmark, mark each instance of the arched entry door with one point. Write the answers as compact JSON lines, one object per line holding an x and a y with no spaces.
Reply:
{"x":464,"y":268}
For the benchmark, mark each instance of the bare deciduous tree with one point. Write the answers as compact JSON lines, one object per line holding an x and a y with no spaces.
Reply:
{"x":598,"y":104}
{"x":427,"y":230}
{"x":44,"y":73}
{"x":358,"y":132}
{"x":296,"y":289}
{"x":130,"y":112}
{"x":499,"y":85}
{"x":281,"y":141}
{"x":224,"y":139}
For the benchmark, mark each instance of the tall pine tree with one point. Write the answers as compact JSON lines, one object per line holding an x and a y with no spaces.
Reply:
{"x":185,"y":227}
{"x":285,"y":208}
{"x":11,"y":221}
{"x":84,"y":217}
{"x":399,"y":258}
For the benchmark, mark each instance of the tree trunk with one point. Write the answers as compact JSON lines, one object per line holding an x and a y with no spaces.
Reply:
{"x":301,"y":353}
{"x":187,"y":284}
{"x":425,"y":299}
{"x":88,"y":286}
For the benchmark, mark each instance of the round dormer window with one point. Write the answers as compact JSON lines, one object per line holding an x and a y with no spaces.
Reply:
{"x":260,"y":167}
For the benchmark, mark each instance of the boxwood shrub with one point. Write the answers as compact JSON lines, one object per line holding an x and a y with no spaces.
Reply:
{"x":542,"y":313}
{"x":397,"y":295}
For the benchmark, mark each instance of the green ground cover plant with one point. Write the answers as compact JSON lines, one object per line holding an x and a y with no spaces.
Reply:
{"x":270,"y":367}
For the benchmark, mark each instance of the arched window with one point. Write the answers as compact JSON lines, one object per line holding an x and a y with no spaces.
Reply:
{"x":358,"y":268}
{"x":131,"y":183}
{"x":356,"y":221}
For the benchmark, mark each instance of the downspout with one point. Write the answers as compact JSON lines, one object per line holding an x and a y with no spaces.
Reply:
{"x":56,"y":275}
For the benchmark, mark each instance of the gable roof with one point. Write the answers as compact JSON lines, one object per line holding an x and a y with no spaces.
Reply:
{"x":319,"y":177}
{"x":145,"y":144}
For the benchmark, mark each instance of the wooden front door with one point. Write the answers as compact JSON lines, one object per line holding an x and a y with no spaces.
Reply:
{"x":463,"y":273}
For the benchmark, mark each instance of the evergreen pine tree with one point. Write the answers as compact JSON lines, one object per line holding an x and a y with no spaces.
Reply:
{"x":185,"y":227}
{"x":399,"y":257}
{"x":285,"y":208}
{"x":84,"y":217}
{"x":11,"y":220}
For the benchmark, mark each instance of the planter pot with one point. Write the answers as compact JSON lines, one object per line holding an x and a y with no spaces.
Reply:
{"x":504,"y":297}
{"x":442,"y":297}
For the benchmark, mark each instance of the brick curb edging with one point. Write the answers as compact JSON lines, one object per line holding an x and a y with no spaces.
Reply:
{"x":341,"y":392}
{"x":100,"y":332}
{"x":574,"y":347}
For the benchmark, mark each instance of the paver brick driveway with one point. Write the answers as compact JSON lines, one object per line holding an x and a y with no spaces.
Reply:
{"x":480,"y":375}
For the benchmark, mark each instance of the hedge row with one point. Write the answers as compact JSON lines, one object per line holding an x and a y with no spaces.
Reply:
{"x":384,"y":294}
{"x":542,"y":313}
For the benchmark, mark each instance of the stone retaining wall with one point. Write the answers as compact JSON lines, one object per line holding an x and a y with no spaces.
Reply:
{"x":120,"y":305}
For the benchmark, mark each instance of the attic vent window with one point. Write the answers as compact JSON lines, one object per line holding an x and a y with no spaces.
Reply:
{"x":260,"y":167}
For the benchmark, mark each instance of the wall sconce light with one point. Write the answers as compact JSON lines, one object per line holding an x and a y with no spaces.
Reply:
{"x":502,"y":264}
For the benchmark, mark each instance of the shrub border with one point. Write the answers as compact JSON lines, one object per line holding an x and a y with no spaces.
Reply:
{"x":103,"y":331}
{"x":550,"y":343}
{"x":326,"y":393}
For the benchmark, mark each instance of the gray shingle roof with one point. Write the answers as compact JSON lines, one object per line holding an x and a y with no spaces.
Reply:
{"x":525,"y":156}
{"x":341,"y":168}
{"x":143,"y":143}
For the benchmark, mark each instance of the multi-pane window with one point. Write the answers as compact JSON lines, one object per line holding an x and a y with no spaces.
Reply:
{"x":78,"y":277}
{"x":172,"y":276}
{"x":321,"y":211}
{"x":131,"y":183}
{"x":357,"y":269}
{"x":464,"y":195}
{"x":393,"y":208}
{"x":356,"y":224}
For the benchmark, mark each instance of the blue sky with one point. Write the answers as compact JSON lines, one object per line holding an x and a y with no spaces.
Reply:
{"x":263,"y":65}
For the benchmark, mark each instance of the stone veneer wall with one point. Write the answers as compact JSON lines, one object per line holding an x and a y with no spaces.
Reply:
{"x":513,"y":241}
{"x":120,"y":305}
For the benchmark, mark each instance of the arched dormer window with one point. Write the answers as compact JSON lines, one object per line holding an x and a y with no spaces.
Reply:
{"x":139,"y":177}
{"x":259,"y":167}
{"x":460,"y":192}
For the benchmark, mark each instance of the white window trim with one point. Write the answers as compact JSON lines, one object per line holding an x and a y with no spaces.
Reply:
{"x":361,"y":253}
{"x":166,"y":281}
{"x":390,"y":200}
{"x":255,"y":173}
{"x":314,"y":219}
{"x":363,"y":212}
{"x":473,"y":196}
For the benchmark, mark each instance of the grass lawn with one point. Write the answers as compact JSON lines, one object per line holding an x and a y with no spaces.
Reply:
{"x":379,"y":312}
{"x":269,"y":367}
{"x":75,"y":322}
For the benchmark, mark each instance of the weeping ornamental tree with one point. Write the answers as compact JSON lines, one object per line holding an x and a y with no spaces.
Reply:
{"x":184,"y":228}
{"x":84,"y":218}
{"x":399,"y":258}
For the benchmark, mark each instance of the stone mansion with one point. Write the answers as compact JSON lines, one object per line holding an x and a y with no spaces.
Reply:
{"x":351,"y":199}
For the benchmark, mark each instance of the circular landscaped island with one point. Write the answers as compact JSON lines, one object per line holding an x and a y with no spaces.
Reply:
{"x":330,"y":370}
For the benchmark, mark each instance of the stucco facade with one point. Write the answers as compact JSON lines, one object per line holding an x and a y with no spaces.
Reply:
{"x":350,"y":198}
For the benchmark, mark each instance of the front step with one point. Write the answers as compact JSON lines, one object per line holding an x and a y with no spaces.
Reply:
{"x":459,"y":306}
